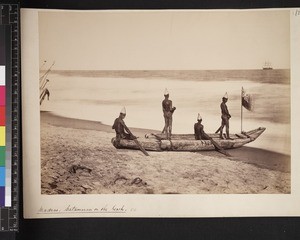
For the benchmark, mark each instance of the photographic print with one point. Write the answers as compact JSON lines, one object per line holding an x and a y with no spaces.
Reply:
{"x":165,"y":102}
{"x":186,"y":113}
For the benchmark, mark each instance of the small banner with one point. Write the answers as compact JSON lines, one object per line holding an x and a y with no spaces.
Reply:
{"x":247,"y":100}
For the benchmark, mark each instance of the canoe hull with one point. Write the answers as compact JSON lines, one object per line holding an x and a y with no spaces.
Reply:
{"x":186,"y":142}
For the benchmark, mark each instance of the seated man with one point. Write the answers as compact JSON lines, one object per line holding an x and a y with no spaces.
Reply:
{"x":120,"y":128}
{"x":199,"y":130}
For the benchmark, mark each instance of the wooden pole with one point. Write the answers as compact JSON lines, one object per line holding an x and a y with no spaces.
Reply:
{"x":217,"y":146}
{"x":46,"y":73}
{"x":242,"y":110}
{"x":137,"y":142}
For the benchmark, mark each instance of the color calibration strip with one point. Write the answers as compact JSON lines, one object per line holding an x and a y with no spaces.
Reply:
{"x":2,"y":135}
{"x":9,"y":115}
{"x":5,"y":127}
{"x":3,"y":116}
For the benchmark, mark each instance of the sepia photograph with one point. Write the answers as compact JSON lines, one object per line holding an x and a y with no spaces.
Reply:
{"x":164,"y":102}
{"x":163,"y":113}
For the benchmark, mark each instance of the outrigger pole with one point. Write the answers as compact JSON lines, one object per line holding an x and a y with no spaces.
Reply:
{"x":46,"y":73}
{"x":242,"y":110}
{"x":43,"y":82}
{"x":43,"y":64}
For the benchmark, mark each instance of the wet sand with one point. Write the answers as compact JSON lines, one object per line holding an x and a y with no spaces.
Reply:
{"x":78,"y":157}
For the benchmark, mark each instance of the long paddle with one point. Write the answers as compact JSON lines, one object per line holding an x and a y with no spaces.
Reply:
{"x":219,"y":129}
{"x":158,"y":137}
{"x":217,"y":146}
{"x":137,"y":142}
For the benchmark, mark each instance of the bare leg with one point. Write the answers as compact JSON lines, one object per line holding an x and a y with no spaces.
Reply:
{"x":170,"y":126}
{"x":221,"y":132}
{"x":118,"y":139}
{"x":168,"y":130}
{"x":227,"y":133}
{"x":221,"y":128}
{"x":227,"y":129}
{"x":166,"y":125}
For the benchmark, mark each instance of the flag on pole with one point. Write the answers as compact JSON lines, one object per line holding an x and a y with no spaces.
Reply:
{"x":247,"y":100}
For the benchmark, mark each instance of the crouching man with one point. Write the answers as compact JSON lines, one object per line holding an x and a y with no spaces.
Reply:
{"x":199,"y":130}
{"x":122,"y":131}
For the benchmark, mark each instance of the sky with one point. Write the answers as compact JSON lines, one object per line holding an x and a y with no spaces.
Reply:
{"x":164,"y":40}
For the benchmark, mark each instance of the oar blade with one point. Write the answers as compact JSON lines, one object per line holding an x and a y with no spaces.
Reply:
{"x":141,"y":147}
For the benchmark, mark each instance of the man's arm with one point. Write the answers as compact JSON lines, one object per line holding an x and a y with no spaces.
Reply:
{"x":202,"y":131}
{"x":164,"y":107}
{"x":225,"y":110}
{"x":172,"y":109}
{"x":228,"y":114}
{"x":115,"y":124}
{"x":125,"y":127}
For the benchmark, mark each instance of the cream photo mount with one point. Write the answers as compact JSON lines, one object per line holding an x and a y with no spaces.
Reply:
{"x":38,"y":205}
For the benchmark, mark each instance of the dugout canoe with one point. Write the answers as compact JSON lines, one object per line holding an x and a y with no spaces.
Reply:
{"x":187,"y":142}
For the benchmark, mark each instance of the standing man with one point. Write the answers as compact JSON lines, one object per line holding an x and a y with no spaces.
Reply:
{"x":225,"y":117}
{"x":168,"y":111}
{"x":199,"y":129}
{"x":122,"y":131}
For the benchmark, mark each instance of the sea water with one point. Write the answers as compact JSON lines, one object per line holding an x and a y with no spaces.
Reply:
{"x":100,"y":97}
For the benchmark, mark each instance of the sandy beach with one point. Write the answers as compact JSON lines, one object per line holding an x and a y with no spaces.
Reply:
{"x":77,"y":157}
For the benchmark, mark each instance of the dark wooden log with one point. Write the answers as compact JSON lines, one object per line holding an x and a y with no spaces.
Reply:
{"x":185,"y":142}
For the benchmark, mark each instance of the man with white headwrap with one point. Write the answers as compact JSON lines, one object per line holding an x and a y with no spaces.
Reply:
{"x":122,"y":131}
{"x":225,"y":117}
{"x":199,"y":129}
{"x":168,"y":111}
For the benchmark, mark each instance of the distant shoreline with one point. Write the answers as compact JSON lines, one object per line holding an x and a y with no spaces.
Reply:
{"x":60,"y":121}
{"x":282,"y":75}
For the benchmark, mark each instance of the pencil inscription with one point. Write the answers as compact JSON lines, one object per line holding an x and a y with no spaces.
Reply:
{"x":75,"y":209}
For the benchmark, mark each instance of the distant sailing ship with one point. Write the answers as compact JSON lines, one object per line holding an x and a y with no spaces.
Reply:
{"x":267,"y":66}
